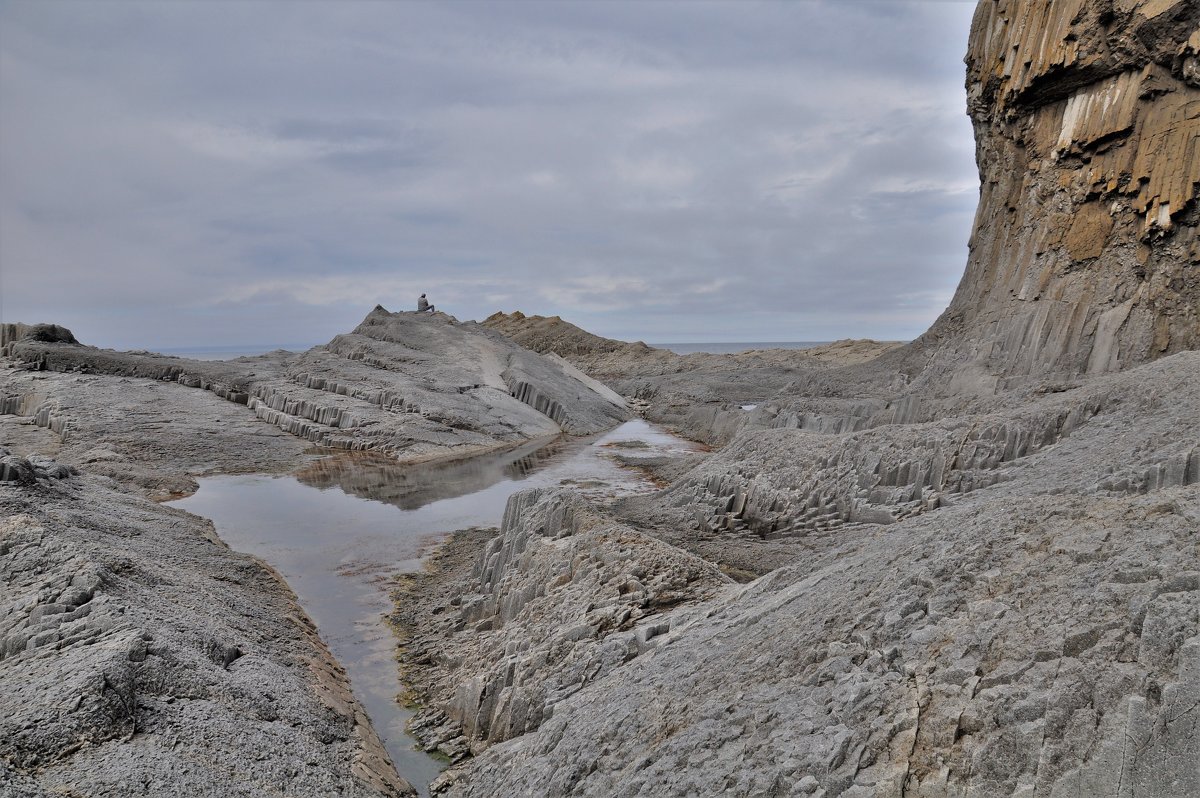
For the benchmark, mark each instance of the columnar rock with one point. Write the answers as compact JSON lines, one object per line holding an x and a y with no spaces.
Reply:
{"x":981,"y":573}
{"x":1085,"y":256}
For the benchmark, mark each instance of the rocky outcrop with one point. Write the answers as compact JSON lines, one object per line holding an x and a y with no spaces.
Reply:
{"x":139,"y":654}
{"x":1129,"y":433}
{"x":618,"y":362}
{"x":415,"y":386}
{"x":149,"y":435}
{"x":1085,"y":253}
{"x":46,"y":333}
{"x":1002,"y":604}
{"x":560,"y":599}
{"x":1085,"y":257}
{"x":701,"y":395}
{"x":1044,"y":647}
{"x":977,"y":553}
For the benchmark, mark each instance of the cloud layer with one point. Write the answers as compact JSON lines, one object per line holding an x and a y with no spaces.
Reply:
{"x":175,"y":173}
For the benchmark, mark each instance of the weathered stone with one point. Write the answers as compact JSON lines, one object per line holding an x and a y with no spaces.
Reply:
{"x":139,"y":654}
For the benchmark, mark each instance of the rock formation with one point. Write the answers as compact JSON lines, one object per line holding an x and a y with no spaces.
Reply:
{"x":971,"y":561}
{"x":560,"y":593}
{"x":979,"y":573}
{"x":1086,"y":247}
{"x":139,"y":654}
{"x":413,"y":386}
{"x":1085,"y":250}
{"x":701,"y":394}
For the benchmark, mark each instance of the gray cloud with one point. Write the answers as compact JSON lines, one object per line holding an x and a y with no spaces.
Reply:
{"x":266,"y":172}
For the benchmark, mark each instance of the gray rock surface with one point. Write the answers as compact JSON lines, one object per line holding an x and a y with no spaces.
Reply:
{"x":409,"y":385}
{"x":700,"y":394}
{"x":1042,"y":646}
{"x":417,"y":386}
{"x":560,"y":599}
{"x":978,"y":552}
{"x":139,"y":655}
{"x":1034,"y":632}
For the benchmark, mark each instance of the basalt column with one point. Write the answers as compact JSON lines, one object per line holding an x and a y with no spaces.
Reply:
{"x":1085,"y":255}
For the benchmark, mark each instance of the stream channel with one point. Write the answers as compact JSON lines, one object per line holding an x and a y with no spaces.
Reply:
{"x":340,"y":527}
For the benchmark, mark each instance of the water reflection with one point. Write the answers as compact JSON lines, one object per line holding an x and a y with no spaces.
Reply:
{"x":338,"y":551}
{"x":370,"y":475}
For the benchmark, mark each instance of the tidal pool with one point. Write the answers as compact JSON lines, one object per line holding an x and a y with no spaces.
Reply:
{"x":340,"y":527}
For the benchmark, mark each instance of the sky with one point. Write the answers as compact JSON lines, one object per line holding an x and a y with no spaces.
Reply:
{"x":227,"y":173}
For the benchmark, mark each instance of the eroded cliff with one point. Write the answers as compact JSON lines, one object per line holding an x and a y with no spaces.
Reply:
{"x":1085,"y":254}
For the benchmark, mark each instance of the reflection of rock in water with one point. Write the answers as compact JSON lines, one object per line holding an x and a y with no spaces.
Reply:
{"x":533,"y":461}
{"x":374,"y":476}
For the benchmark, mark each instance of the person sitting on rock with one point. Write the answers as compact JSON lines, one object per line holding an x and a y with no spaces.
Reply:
{"x":423,"y":305}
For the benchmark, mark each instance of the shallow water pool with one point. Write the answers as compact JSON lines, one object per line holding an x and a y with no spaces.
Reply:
{"x":340,"y":527}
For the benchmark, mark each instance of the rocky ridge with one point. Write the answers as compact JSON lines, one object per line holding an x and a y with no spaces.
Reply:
{"x":699,"y":394}
{"x":978,"y":559}
{"x":564,"y":593}
{"x":412,"y":386}
{"x":1031,"y":627}
{"x":137,"y":652}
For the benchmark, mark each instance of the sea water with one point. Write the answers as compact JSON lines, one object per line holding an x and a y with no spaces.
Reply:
{"x":730,"y":348}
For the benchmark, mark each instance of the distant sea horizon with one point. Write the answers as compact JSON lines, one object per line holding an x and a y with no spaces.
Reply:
{"x":231,"y":351}
{"x":733,"y":347}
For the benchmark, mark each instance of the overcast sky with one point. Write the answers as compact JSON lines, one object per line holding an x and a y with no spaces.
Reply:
{"x":222,"y":173}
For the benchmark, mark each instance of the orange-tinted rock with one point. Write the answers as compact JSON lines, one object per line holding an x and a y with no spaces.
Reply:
{"x":1087,"y":119}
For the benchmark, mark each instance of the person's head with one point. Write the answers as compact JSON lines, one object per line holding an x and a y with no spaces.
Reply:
{"x":422,"y":296}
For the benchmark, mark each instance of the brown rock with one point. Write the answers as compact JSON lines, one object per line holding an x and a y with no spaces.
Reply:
{"x":1089,"y":232}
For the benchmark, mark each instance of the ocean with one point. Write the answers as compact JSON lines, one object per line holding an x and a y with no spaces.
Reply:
{"x":732,"y":347}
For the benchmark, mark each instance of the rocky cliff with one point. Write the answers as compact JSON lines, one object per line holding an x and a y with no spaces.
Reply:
{"x":1085,"y":255}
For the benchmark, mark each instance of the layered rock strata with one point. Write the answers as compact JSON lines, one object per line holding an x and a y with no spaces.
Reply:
{"x":138,"y":652}
{"x":415,"y":386}
{"x":1046,"y":645}
{"x":791,"y":483}
{"x":981,"y":572}
{"x":1086,"y":244}
{"x":1085,"y":253}
{"x":702,"y":395}
{"x":1033,"y":631}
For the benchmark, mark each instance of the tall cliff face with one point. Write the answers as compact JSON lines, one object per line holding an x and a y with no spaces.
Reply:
{"x":1085,"y":255}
